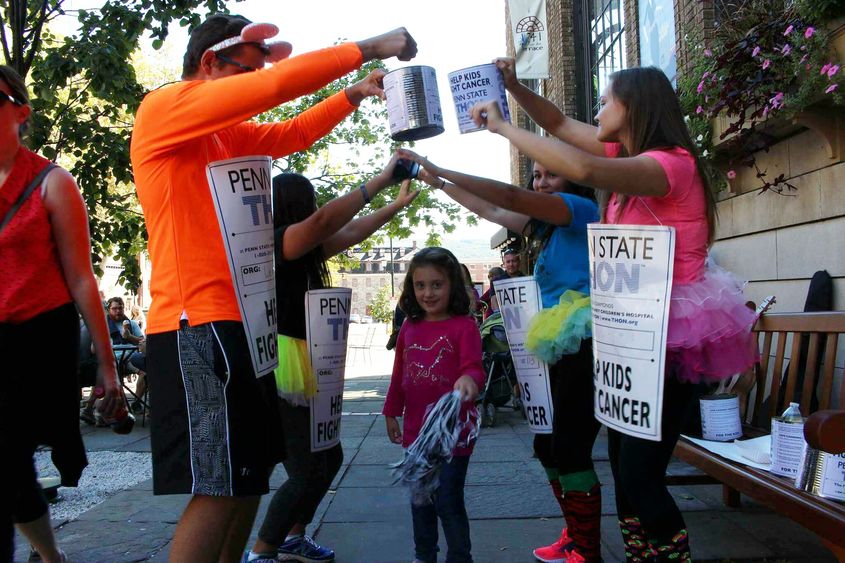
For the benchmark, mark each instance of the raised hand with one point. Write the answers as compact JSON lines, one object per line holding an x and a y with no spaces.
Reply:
{"x":488,"y":113}
{"x":421,"y":160}
{"x":507,"y":66}
{"x":371,"y":85}
{"x":429,"y":178}
{"x":406,"y":196}
{"x":397,"y":43}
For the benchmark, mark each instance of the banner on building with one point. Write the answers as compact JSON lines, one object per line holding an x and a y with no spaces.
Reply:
{"x":519,"y":301}
{"x":630,"y":287}
{"x":530,"y":38}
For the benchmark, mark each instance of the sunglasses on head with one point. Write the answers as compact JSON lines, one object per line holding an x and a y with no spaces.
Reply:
{"x":4,"y":97}
{"x":246,"y":68}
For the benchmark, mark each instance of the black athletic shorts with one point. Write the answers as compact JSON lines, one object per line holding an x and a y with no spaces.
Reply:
{"x":214,"y":425}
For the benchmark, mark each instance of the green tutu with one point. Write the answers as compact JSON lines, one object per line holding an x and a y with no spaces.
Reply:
{"x":295,"y":380}
{"x":559,"y":330}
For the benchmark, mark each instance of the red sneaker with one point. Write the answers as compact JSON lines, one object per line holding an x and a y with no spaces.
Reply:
{"x":557,"y":552}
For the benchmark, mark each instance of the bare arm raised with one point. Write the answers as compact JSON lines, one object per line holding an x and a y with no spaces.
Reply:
{"x":639,"y":175}
{"x":507,"y":205}
{"x":547,"y":114}
{"x":359,"y":229}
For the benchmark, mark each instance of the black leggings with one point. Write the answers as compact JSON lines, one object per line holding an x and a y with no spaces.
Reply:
{"x":569,"y":448}
{"x":310,"y":475}
{"x":639,"y":466}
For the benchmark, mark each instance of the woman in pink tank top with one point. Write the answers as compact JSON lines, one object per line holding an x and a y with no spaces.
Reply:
{"x":643,"y":163}
{"x":45,"y":276}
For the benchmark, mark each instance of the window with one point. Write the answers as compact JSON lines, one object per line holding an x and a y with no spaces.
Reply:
{"x":604,"y":23}
{"x":657,"y":35}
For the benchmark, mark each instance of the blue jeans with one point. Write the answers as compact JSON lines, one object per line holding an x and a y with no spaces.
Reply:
{"x":449,"y":506}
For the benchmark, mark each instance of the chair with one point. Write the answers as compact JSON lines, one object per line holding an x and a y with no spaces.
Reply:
{"x":122,"y":355}
{"x":364,"y":345}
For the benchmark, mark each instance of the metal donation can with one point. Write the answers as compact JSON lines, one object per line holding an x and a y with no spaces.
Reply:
{"x":413,"y":103}
{"x":477,"y":84}
{"x":822,"y":474}
{"x":720,"y":417}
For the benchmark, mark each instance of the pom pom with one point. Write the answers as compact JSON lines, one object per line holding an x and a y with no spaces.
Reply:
{"x":420,"y":469}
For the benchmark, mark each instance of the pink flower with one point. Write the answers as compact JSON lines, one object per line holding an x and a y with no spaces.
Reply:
{"x":708,"y":53}
{"x":786,"y":49}
{"x":755,"y":52}
{"x":731,"y":174}
{"x":766,"y":64}
{"x":825,"y":68}
{"x":700,"y":87}
{"x":832,"y":70}
{"x":699,"y":109}
{"x":831,"y":88}
{"x":777,"y":100}
{"x":809,"y":32}
{"x":789,"y":30}
{"x":705,"y":75}
{"x":804,"y":58}
{"x":803,"y":47}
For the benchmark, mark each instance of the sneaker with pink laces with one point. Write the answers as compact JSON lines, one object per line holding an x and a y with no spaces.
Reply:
{"x":557,"y":552}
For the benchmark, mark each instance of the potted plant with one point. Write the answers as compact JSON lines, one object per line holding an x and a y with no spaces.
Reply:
{"x":748,"y":85}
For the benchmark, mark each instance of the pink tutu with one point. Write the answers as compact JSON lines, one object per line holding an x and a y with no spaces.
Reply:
{"x":710,"y":334}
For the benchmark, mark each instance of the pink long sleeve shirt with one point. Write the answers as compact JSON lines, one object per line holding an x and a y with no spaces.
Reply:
{"x":430,"y":357}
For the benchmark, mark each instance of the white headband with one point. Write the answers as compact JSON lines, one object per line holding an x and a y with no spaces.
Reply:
{"x":258,"y":33}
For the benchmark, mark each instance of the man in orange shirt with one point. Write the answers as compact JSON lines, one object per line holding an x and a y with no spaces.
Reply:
{"x":211,"y":415}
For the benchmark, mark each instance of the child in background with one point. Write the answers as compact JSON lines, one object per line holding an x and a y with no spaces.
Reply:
{"x":642,"y":156}
{"x":438,"y":350}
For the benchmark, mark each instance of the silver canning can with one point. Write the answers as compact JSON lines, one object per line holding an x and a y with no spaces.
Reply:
{"x":822,"y":474}
{"x":477,"y":84}
{"x":413,"y":103}
{"x":720,"y":417}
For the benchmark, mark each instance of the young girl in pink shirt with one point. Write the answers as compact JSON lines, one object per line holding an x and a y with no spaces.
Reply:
{"x":642,"y":158}
{"x":438,"y":350}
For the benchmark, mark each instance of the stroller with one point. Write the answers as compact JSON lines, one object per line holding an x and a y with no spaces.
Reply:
{"x":498,"y":365}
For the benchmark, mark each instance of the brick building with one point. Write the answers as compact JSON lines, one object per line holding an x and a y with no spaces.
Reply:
{"x":769,"y":239}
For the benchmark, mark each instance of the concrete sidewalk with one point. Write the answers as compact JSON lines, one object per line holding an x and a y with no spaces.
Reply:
{"x":366,"y":520}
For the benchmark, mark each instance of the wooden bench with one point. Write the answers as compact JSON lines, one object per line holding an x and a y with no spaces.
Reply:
{"x":821,"y":333}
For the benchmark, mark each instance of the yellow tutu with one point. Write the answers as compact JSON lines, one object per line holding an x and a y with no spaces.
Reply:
{"x":295,"y":380}
{"x":559,"y":330}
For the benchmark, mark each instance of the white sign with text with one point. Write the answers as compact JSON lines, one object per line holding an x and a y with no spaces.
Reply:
{"x":519,"y":301}
{"x":242,"y":192}
{"x":327,"y":331}
{"x":630,"y":286}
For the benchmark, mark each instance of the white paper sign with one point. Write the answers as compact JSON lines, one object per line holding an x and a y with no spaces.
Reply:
{"x":327,"y":331}
{"x":519,"y":301}
{"x":833,"y":476}
{"x":242,"y":192}
{"x":630,"y":287}
{"x":530,"y":37}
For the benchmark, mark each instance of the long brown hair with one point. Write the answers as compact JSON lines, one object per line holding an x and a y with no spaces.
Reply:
{"x":445,"y":261}
{"x":655,"y":120}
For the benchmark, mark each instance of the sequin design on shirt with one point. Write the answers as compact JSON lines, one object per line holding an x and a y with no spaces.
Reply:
{"x":416,"y":371}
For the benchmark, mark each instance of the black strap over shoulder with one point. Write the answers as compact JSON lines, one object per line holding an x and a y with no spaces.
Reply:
{"x":25,"y":195}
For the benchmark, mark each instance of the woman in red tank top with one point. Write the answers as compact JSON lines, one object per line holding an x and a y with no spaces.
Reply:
{"x":45,"y":269}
